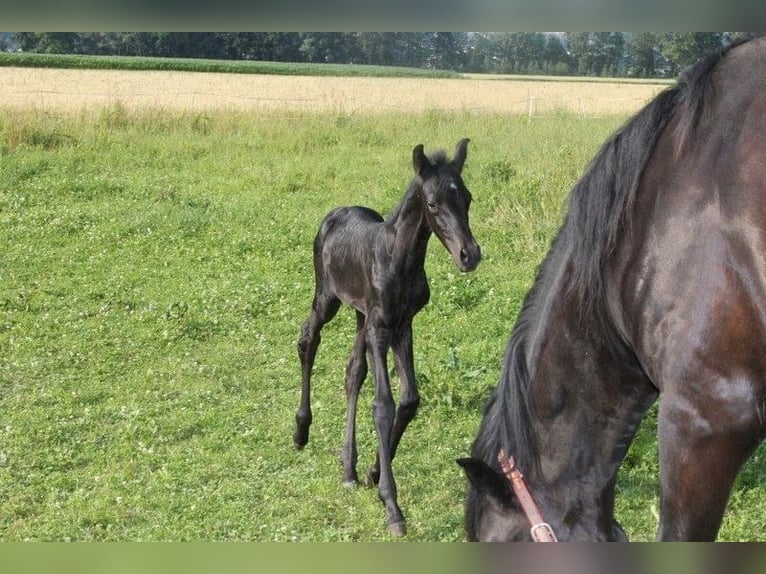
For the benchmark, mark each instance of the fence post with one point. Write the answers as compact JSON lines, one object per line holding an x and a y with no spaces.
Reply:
{"x":530,"y":106}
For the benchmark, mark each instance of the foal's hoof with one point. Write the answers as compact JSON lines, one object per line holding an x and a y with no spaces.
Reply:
{"x":373,"y":477}
{"x":350,"y":479}
{"x":398,"y":529}
{"x":300,"y":438}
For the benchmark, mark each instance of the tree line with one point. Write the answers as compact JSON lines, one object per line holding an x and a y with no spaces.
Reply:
{"x":643,"y":54}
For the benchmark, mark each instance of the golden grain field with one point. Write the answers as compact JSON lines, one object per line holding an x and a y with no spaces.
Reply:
{"x":75,"y":90}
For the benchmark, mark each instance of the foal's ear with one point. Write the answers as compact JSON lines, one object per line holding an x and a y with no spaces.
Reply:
{"x":487,"y":480}
{"x":419,"y":160}
{"x":461,"y":151}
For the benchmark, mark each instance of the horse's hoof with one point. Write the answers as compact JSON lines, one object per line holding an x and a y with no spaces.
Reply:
{"x":398,"y":529}
{"x":350,"y":484}
{"x":373,"y":477}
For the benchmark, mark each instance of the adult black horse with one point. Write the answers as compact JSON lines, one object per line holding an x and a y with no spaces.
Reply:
{"x":654,"y":285}
{"x":377,"y":267}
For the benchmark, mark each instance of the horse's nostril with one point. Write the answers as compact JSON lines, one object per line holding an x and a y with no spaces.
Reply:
{"x":463,"y":255}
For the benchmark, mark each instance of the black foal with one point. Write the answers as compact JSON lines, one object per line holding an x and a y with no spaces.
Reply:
{"x":376,"y":266}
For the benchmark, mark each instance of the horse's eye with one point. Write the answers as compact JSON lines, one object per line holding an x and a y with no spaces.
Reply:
{"x":432,"y":206}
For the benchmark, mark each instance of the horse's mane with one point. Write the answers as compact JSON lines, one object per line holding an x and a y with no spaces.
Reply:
{"x":599,"y":205}
{"x":698,"y":77}
{"x":437,"y":158}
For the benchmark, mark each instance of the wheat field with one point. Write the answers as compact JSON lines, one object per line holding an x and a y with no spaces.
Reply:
{"x":76,"y":90}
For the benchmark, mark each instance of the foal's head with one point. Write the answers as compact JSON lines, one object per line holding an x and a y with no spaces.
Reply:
{"x":446,"y":201}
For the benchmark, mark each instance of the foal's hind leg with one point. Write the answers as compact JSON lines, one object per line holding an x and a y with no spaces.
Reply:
{"x":356,"y":371}
{"x":323,"y":309}
{"x":702,"y":448}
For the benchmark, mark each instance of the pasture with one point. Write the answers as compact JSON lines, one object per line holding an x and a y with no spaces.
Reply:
{"x":155,"y":272}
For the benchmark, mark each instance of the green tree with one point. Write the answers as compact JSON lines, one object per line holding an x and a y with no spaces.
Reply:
{"x":578,"y":45}
{"x":521,"y":52}
{"x":480,"y":52}
{"x":447,"y":50}
{"x":597,"y":53}
{"x":643,"y":54}
{"x":331,"y":47}
{"x":377,"y":48}
{"x":684,"y":48}
{"x":268,"y":46}
{"x":47,"y":42}
{"x":392,"y":48}
{"x":555,"y":56}
{"x":26,"y":41}
{"x":135,"y":44}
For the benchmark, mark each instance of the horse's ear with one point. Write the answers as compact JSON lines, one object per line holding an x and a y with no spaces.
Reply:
{"x":487,"y":480}
{"x":461,"y":150}
{"x":419,"y":160}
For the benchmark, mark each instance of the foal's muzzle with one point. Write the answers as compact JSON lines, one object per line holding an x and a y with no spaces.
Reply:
{"x":468,"y":257}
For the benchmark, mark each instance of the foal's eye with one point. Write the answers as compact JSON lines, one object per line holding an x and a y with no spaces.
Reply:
{"x":432,"y":206}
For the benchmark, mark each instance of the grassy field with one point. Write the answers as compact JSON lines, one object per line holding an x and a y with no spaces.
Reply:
{"x":156,"y":270}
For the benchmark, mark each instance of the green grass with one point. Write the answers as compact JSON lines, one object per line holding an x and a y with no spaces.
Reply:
{"x":76,"y":61}
{"x":155,"y":274}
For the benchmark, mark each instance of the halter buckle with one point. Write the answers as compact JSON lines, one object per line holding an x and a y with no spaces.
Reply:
{"x":542,"y":532}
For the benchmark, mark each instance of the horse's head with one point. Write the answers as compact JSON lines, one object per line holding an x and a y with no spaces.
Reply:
{"x":494,"y":514}
{"x":446,"y":201}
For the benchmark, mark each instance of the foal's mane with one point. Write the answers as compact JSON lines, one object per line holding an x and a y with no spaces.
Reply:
{"x":599,"y":206}
{"x":438,"y":159}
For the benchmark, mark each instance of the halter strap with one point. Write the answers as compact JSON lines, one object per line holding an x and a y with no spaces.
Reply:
{"x":541,"y":531}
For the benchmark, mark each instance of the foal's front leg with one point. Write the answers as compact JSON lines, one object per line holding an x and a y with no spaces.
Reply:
{"x":401,"y":345}
{"x":405,"y":368}
{"x":383,"y":410}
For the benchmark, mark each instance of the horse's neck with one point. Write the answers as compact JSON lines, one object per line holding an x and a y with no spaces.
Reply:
{"x":409,"y":229}
{"x":586,"y":401}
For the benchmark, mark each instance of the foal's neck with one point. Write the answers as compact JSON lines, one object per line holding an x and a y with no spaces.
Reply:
{"x":409,"y":227}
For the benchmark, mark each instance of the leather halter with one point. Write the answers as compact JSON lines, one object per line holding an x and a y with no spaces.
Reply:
{"x":540,"y":530}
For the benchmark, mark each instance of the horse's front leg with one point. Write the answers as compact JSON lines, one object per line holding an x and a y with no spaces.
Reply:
{"x":383,"y":411}
{"x":702,"y":448}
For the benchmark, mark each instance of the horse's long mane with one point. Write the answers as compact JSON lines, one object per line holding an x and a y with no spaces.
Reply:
{"x":600,"y":203}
